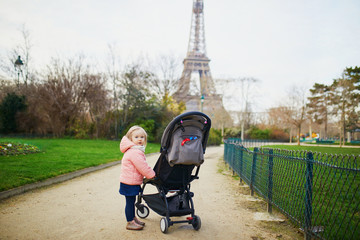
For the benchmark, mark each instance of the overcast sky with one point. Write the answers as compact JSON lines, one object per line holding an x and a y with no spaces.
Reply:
{"x":282,"y":43}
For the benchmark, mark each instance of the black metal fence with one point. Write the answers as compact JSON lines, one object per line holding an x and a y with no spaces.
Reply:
{"x":318,"y":192}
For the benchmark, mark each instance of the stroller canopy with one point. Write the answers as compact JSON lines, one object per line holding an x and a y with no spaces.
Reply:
{"x":184,"y":139}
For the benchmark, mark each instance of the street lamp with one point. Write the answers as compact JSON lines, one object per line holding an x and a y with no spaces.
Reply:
{"x":201,"y":102}
{"x":18,"y":63}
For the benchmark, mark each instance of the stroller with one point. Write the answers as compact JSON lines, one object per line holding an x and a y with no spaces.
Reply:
{"x":183,"y":145}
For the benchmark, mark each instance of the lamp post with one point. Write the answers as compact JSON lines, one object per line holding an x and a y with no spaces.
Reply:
{"x":201,"y":102}
{"x":18,"y":63}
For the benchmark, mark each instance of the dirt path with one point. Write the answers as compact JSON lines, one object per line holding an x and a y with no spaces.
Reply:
{"x":90,"y":207}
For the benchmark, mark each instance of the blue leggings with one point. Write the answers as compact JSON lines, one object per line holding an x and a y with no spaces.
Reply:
{"x":130,"y":208}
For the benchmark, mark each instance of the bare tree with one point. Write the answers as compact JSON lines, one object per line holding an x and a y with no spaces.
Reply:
{"x":222,"y":119}
{"x":62,"y":93}
{"x":240,"y":92}
{"x":96,"y":102}
{"x":275,"y":117}
{"x":277,"y":121}
{"x":294,"y":110}
{"x":169,"y":67}
{"x":114,"y":74}
{"x":23,"y":51}
{"x":166,"y":72}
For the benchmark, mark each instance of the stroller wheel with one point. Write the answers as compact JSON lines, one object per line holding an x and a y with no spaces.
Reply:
{"x":142,"y":211}
{"x":164,"y":225}
{"x":196,"y":222}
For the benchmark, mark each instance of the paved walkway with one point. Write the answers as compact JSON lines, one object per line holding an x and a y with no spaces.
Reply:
{"x":90,"y":207}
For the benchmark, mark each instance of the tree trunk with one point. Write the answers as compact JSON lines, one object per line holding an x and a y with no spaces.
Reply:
{"x":326,"y":127}
{"x":342,"y":122}
{"x":242,"y":130}
{"x":340,"y":137}
{"x":344,"y":132}
{"x":222,"y":130}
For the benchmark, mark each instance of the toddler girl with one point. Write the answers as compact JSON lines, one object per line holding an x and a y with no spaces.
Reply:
{"x":133,"y":169}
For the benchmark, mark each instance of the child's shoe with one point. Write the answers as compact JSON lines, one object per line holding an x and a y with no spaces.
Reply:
{"x":133,"y":226}
{"x":139,"y":222}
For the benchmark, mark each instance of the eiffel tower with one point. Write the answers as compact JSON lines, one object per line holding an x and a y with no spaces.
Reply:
{"x":197,"y":95}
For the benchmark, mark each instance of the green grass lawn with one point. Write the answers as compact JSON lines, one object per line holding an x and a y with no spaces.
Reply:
{"x":56,"y":157}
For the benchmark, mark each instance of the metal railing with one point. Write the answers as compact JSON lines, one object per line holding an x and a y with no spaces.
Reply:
{"x":250,"y":143}
{"x":318,"y":192}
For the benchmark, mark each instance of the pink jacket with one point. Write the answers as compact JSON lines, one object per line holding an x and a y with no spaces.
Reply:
{"x":133,"y":164}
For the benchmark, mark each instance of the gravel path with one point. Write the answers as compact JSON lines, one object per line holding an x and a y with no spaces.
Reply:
{"x":90,"y":207}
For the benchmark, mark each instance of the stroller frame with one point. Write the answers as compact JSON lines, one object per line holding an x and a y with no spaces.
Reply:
{"x":165,"y":222}
{"x":180,"y":203}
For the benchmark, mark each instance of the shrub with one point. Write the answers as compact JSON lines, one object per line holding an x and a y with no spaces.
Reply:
{"x":279,"y":134}
{"x":10,"y":106}
{"x":148,"y":125}
{"x":232,"y":133}
{"x":256,"y":133}
{"x":214,"y":137}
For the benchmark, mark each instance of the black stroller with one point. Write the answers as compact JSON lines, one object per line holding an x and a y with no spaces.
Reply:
{"x":183,"y":145}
